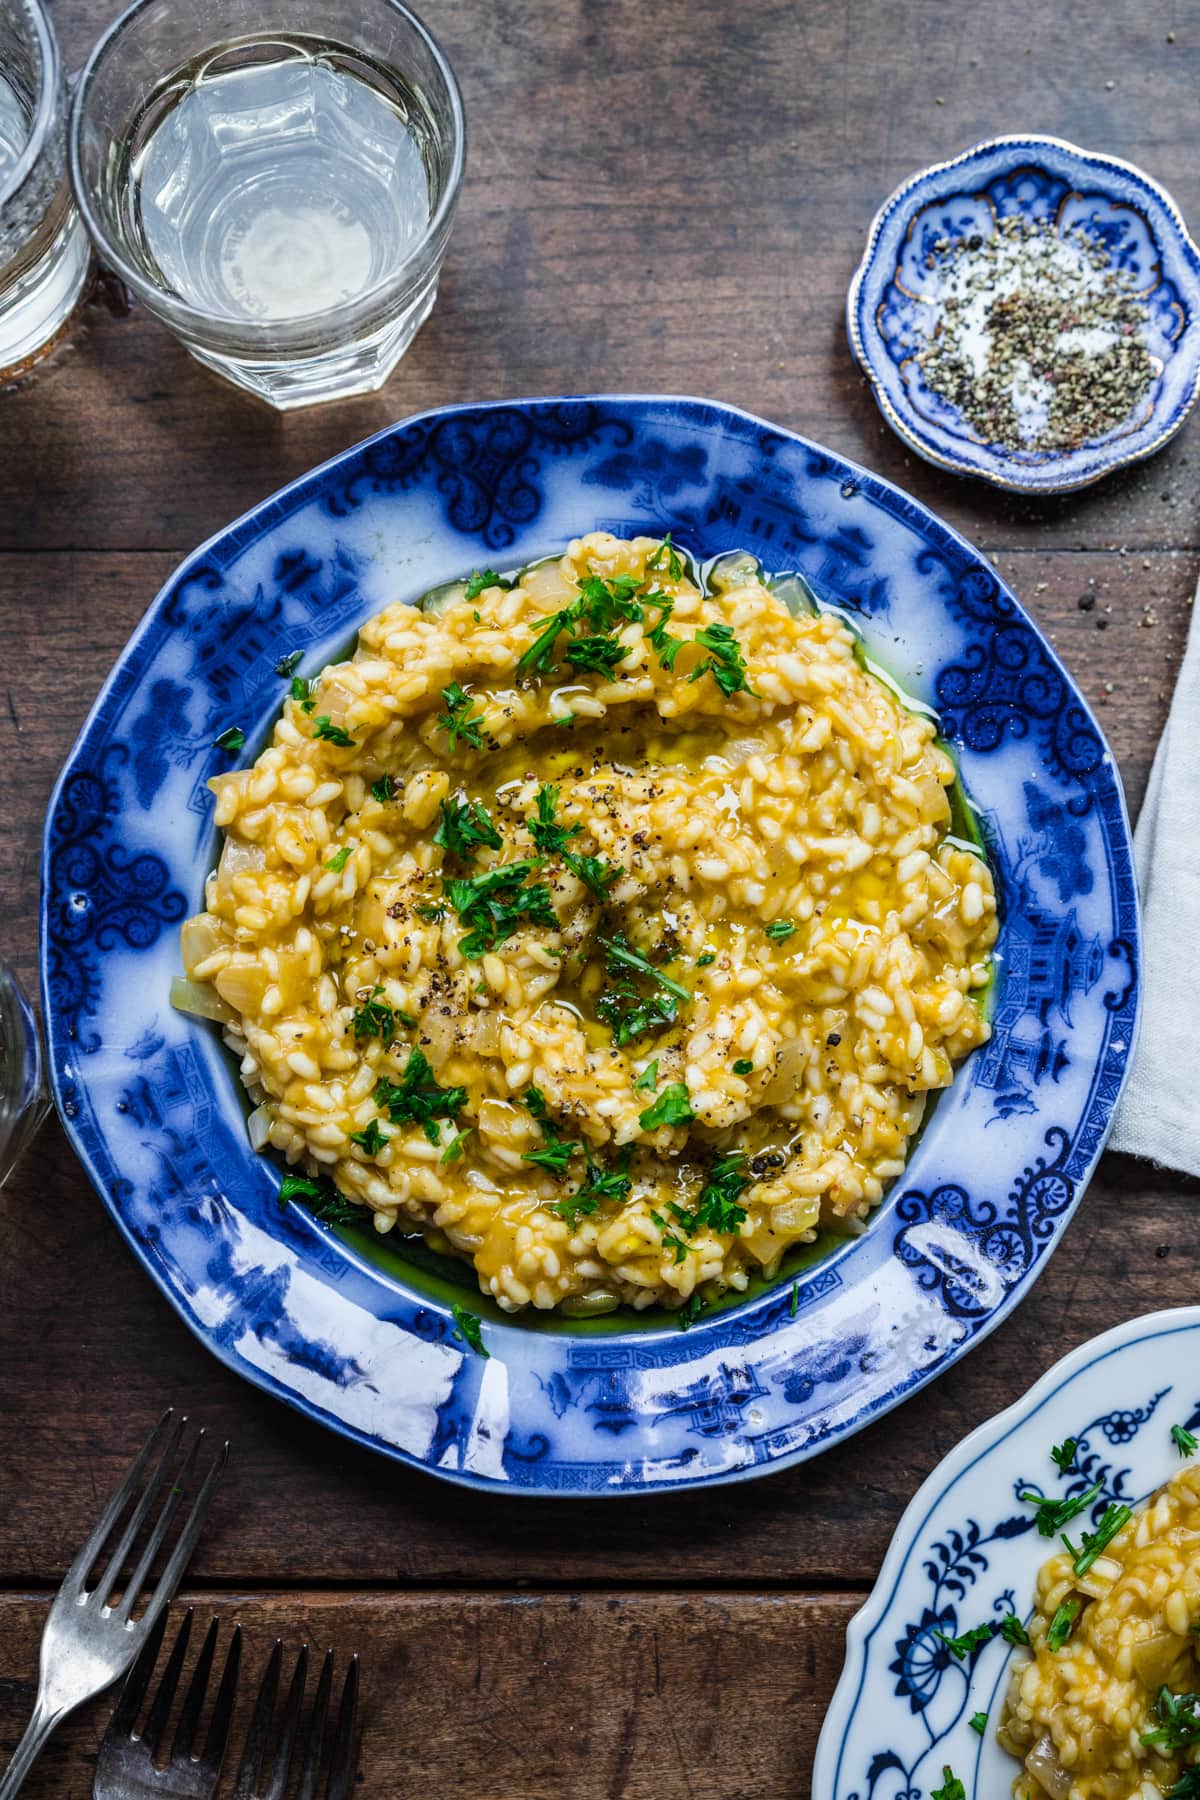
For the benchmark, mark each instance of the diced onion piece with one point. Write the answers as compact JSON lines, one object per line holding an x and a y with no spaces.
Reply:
{"x":733,"y":571}
{"x":449,"y":593}
{"x":258,"y":1127}
{"x":796,"y":595}
{"x":201,"y":1000}
{"x":1043,"y":1764}
{"x":589,"y":1306}
{"x":1154,"y":1660}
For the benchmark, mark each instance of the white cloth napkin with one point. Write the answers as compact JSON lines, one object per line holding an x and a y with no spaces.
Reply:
{"x":1159,"y":1114}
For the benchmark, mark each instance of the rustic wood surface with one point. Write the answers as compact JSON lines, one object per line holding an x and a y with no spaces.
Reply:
{"x":667,"y":196}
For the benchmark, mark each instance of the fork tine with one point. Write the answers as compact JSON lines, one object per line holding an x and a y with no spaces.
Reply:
{"x":341,"y":1757}
{"x":307,"y":1787}
{"x":193,"y":1700}
{"x":181,"y":1555}
{"x":116,"y":1503}
{"x":156,"y":1724}
{"x":260,"y":1725}
{"x":213,"y":1754}
{"x":136,"y":1683}
{"x":108,"y":1580}
{"x":287,"y":1734}
{"x":162,"y":1524}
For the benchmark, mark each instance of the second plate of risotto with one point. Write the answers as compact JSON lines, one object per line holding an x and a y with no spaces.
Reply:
{"x":590,"y":944}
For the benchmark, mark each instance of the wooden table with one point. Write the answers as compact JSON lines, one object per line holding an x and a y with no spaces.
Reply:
{"x":668,"y":195}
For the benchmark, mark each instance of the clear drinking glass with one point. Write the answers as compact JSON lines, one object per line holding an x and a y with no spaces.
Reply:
{"x":44,"y":251}
{"x":24,"y":1102}
{"x":275,"y":180}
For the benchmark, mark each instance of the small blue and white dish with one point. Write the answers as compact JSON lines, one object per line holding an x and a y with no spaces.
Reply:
{"x":365,"y":1339}
{"x":966,"y":1554}
{"x":895,"y":302}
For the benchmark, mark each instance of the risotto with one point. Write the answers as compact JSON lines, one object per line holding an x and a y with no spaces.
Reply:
{"x":604,"y":926}
{"x":1103,"y":1705}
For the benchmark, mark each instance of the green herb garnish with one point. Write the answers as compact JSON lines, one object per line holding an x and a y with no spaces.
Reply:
{"x":674,"y":563}
{"x":417,"y":1099}
{"x":324,"y":1201}
{"x":496,"y":904}
{"x":951,"y":1788}
{"x":232,"y":739}
{"x":781,"y":928}
{"x":1063,"y":1455}
{"x":535,"y":1102}
{"x":302,"y":693}
{"x":454,"y":1149}
{"x":1185,"y":1441}
{"x":1063,"y":1624}
{"x":553,"y":1153}
{"x":458,"y":721}
{"x":619,"y":951}
{"x":550,"y":838}
{"x":794,"y":1303}
{"x":1013,"y":1631}
{"x":647,"y":1081}
{"x":725,"y":663}
{"x":599,"y":655}
{"x":706,"y":957}
{"x":383,"y":790}
{"x":339,"y":859}
{"x":298,"y":1187}
{"x":596,"y":874}
{"x":1052,"y":1515}
{"x":376,"y":1019}
{"x":1187,"y":1787}
{"x":1178,"y":1718}
{"x":482,"y":579}
{"x":968,"y":1643}
{"x":287,"y":665}
{"x":673,"y":1107}
{"x":1094,"y":1542}
{"x":371,"y":1138}
{"x":743,"y":1066}
{"x":689,"y":1312}
{"x":979,"y":1722}
{"x":670,"y":1238}
{"x":717,"y":1207}
{"x":470,"y":1328}
{"x":323,"y":727}
{"x":464,"y":827}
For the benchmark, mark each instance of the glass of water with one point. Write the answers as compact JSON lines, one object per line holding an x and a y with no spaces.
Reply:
{"x":23,"y":1099}
{"x":275,"y":180}
{"x":45,"y":256}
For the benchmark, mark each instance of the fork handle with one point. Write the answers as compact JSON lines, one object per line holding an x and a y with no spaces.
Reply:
{"x":45,"y":1720}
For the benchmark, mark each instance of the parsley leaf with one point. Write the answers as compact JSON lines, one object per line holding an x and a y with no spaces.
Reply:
{"x":597,"y":654}
{"x":706,"y":957}
{"x":553,"y":1153}
{"x":968,"y":1643}
{"x":1185,"y":1441}
{"x":647,"y":1081}
{"x":324,"y":728}
{"x":465,"y":825}
{"x":670,"y":1238}
{"x":417,"y":1099}
{"x":607,"y":604}
{"x":302,"y":693}
{"x":539,"y":657}
{"x":458,"y":721}
{"x":371,"y":1138}
{"x":781,"y":928}
{"x":454,"y":1149}
{"x":598,"y":1185}
{"x":482,"y":579}
{"x":232,"y":739}
{"x":618,"y":950}
{"x":1178,"y":1718}
{"x":1052,"y":1515}
{"x":717,"y":1207}
{"x":596,"y":874}
{"x":743,"y":1066}
{"x":725,"y":663}
{"x":1063,"y":1455}
{"x":673,"y":1107}
{"x":374,"y":1018}
{"x":550,"y":838}
{"x":674,"y":563}
{"x":470,"y":1328}
{"x":664,"y":646}
{"x":535,"y":1102}
{"x":323,"y":1200}
{"x":1187,"y":1787}
{"x":496,"y":904}
{"x":951,"y":1788}
{"x":383,"y":790}
{"x":1095,"y":1542}
{"x":339,"y":859}
{"x":1013,"y":1631}
{"x":287,"y":665}
{"x":1063,"y":1624}
{"x":979,"y":1722}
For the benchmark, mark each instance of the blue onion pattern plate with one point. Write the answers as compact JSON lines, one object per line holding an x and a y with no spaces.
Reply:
{"x":155,"y":1110}
{"x":966,"y":1554}
{"x":895,"y":299}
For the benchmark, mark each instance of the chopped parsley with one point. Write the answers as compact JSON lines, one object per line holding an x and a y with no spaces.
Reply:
{"x":339,"y":859}
{"x":1052,"y":1515}
{"x":618,"y":951}
{"x":323,"y":727}
{"x":1063,"y":1624}
{"x":298,"y":1187}
{"x":1187,"y":1787}
{"x":371,"y":1138}
{"x":725,"y":663}
{"x":596,"y":874}
{"x":597,"y":654}
{"x":673,"y":1107}
{"x":535,"y":1102}
{"x":968,"y":1643}
{"x":496,"y":904}
{"x":647,"y":1081}
{"x":717,"y":1207}
{"x":674,"y":562}
{"x":553,"y":1153}
{"x":599,"y":1184}
{"x":1178,"y":1725}
{"x":538,"y":659}
{"x":302,"y":693}
{"x":1013,"y":1631}
{"x":324,"y":1201}
{"x":470,"y":1328}
{"x":417,"y":1099}
{"x":287,"y":665}
{"x":628,"y":1013}
{"x":951,"y":1788}
{"x":781,"y":928}
{"x":601,"y":605}
{"x":689,"y":1312}
{"x":454,"y":1149}
{"x":1063,"y":1455}
{"x":670,"y":1238}
{"x":706,"y":957}
{"x":374,"y":1018}
{"x":458,"y":721}
{"x":481,"y":579}
{"x":608,"y":604}
{"x":466,"y":826}
{"x":664,"y":646}
{"x":383,"y":790}
{"x":232,"y":739}
{"x":979,"y":1722}
{"x":1185,"y":1441}
{"x":550,"y":838}
{"x":743,"y":1066}
{"x":1095,"y":1542}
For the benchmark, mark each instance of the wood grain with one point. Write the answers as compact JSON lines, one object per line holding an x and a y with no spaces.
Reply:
{"x":665,"y":197}
{"x":514,"y":1696}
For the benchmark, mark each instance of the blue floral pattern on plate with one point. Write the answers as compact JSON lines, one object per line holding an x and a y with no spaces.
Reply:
{"x":894,"y":304}
{"x":966,"y":1554}
{"x":155,"y":1111}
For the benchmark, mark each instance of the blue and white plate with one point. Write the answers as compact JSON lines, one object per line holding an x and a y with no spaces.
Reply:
{"x":966,"y":1554}
{"x":366,"y":1343}
{"x":894,"y":303}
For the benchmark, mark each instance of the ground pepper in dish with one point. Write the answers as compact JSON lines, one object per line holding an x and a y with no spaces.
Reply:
{"x":618,"y":960}
{"x":1039,"y":343}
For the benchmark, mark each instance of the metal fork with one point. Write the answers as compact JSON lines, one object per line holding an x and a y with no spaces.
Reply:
{"x":341,"y":1756}
{"x":89,"y":1640}
{"x":126,"y":1768}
